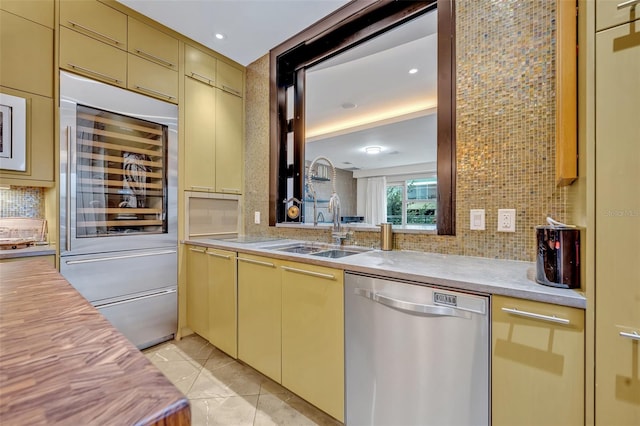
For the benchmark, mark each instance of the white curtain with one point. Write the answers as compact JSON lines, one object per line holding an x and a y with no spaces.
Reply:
{"x":376,"y":201}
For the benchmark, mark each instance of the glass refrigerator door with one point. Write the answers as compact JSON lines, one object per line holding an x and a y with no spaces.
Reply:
{"x":120,"y":175}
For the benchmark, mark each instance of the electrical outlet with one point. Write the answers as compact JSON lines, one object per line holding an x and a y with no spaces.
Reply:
{"x":477,"y":220}
{"x":256,"y":218}
{"x":506,"y":220}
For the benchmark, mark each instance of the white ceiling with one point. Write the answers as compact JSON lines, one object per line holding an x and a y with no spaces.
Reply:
{"x":251,"y":27}
{"x":394,"y":110}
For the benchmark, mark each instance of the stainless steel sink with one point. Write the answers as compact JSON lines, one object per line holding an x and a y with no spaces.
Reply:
{"x":301,"y":249}
{"x":336,"y":253}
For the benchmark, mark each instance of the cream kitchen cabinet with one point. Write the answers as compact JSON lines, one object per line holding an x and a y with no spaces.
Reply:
{"x":229,"y":78}
{"x":152,"y":79}
{"x":260,"y":314}
{"x":152,"y":44}
{"x":223,"y":301}
{"x":229,"y":153}
{"x":39,"y":145}
{"x":199,"y":65}
{"x":96,"y":20}
{"x":313,"y":335}
{"x":27,"y":55}
{"x":197,"y":291}
{"x":40,"y":11}
{"x":617,"y":221}
{"x":608,"y":14}
{"x":537,"y":363}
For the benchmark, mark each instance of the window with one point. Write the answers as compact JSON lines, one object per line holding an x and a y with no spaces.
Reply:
{"x":412,"y":202}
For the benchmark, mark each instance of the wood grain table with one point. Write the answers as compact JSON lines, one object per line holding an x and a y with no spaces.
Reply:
{"x":62,"y":362}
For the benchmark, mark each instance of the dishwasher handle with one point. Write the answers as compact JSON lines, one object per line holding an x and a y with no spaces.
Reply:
{"x":411,"y":307}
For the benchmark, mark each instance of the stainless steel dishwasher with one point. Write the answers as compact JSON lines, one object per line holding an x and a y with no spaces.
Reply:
{"x":415,"y":354}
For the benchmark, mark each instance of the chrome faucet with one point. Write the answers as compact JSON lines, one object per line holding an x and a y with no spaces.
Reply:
{"x":334,"y":201}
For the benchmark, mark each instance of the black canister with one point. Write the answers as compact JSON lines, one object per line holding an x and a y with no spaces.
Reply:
{"x":558,"y":260}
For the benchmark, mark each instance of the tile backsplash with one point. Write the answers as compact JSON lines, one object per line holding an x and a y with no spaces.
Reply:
{"x":505,"y":60}
{"x":22,"y":202}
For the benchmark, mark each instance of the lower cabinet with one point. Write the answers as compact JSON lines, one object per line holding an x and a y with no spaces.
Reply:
{"x":259,"y":314}
{"x":197,"y":291}
{"x":313,"y":335}
{"x":223,"y":325}
{"x":537,"y":372}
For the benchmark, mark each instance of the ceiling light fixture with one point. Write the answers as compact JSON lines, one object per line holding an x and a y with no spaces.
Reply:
{"x":348,"y":105}
{"x":373,"y":149}
{"x":413,"y":70}
{"x":220,"y":36}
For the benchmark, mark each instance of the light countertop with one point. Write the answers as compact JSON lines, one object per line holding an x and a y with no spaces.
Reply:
{"x":31,"y":251}
{"x":474,"y":274}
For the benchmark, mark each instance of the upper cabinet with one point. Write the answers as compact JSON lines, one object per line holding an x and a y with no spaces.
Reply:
{"x":209,"y":70}
{"x":610,"y":13}
{"x":153,"y":45}
{"x":40,"y":12}
{"x":95,"y":20}
{"x":27,"y":54}
{"x":229,"y":78}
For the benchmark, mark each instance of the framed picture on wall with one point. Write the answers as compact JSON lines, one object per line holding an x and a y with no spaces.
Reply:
{"x":13,"y":133}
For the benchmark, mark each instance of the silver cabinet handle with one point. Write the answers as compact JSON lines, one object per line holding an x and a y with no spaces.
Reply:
{"x":311,"y":273}
{"x":222,"y":256}
{"x":106,"y":37}
{"x":196,"y":250}
{"x":201,"y":187}
{"x":154,"y":92}
{"x":256,"y":262}
{"x":154,"y":58}
{"x":403,"y":305}
{"x":628,"y":3}
{"x":96,"y":73}
{"x":234,"y":190}
{"x":148,"y":296}
{"x":634,"y":335}
{"x":550,"y":318}
{"x":68,"y":189}
{"x":237,"y":92}
{"x":105,"y":259}
{"x":202,"y":78}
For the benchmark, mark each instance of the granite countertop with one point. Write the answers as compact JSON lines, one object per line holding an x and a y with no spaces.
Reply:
{"x":61,"y":362}
{"x":43,"y":250}
{"x":474,"y":274}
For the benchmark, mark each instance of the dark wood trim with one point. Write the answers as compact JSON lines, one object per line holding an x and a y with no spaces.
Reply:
{"x":355,"y":22}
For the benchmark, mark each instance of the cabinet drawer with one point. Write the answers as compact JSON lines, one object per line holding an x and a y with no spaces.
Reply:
{"x":152,"y":44}
{"x":27,"y":55}
{"x":229,"y":78}
{"x":608,"y":15}
{"x":152,"y":79}
{"x":199,"y":65}
{"x":40,"y":11}
{"x":97,"y":60}
{"x":96,"y":20}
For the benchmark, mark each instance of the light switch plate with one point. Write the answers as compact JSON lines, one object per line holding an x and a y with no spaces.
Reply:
{"x":506,"y":220}
{"x":477,"y":220}
{"x":256,"y":218}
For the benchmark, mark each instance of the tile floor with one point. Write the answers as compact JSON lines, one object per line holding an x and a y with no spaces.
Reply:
{"x":223,"y":391}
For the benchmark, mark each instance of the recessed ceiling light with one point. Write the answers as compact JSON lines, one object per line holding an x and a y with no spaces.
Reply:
{"x":220,"y":36}
{"x":373,"y":149}
{"x":348,"y":105}
{"x":413,"y":70}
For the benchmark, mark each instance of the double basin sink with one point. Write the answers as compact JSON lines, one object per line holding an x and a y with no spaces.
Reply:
{"x":319,"y":249}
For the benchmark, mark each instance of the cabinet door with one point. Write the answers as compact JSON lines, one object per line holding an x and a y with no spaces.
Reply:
{"x":608,"y":14}
{"x":152,"y":79}
{"x":40,"y":11}
{"x":313,"y":335}
{"x":153,"y":45}
{"x":259,"y":314}
{"x":27,"y":55}
{"x":617,"y":269}
{"x":95,"y":20}
{"x":97,"y":60}
{"x":40,"y":143}
{"x":229,"y":78}
{"x":229,"y":143}
{"x":199,"y":135}
{"x":223,"y":301}
{"x":197,"y":291}
{"x":537,"y":364}
{"x":199,"y":65}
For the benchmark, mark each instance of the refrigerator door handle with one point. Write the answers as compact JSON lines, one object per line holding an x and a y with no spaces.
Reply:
{"x":147,"y":296}
{"x":416,"y":308}
{"x":68,"y":190}
{"x":128,"y":256}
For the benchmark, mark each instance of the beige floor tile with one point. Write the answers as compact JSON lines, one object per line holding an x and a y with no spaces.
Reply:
{"x":289,"y":410}
{"x":234,"y":410}
{"x":182,"y":374}
{"x":233,"y":379}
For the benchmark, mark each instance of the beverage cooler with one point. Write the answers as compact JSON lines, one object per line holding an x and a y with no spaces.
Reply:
{"x":118,"y":206}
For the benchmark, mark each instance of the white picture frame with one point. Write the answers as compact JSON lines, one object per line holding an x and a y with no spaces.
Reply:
{"x":13,"y":133}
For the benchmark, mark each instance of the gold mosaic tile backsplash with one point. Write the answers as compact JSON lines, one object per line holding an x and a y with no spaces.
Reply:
{"x":22,"y":202}
{"x":505,"y":54}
